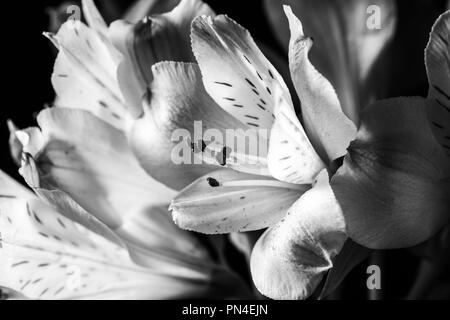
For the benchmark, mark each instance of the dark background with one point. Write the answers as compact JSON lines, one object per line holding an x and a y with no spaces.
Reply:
{"x":27,"y":62}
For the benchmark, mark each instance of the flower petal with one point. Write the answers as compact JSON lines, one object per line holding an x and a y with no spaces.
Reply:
{"x":154,"y":241}
{"x":349,"y":257}
{"x":291,"y":156}
{"x":228,"y":201}
{"x":67,"y":207}
{"x":249,"y":88}
{"x":84,"y":75}
{"x":93,"y":17}
{"x":252,"y":91}
{"x":245,"y":241}
{"x":350,"y":36}
{"x":15,"y":147}
{"x":143,"y":8}
{"x":392,"y":186}
{"x":30,"y":139}
{"x":437,"y":60}
{"x":151,"y":237}
{"x":44,"y":255}
{"x":328,"y":128}
{"x":10,"y":189}
{"x":235,"y":72}
{"x":152,"y":40}
{"x":181,"y":110}
{"x":92,"y":162}
{"x":31,"y":142}
{"x":290,"y":258}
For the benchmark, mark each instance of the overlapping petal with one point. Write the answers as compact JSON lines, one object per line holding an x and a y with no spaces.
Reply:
{"x":92,"y":162}
{"x":244,"y":83}
{"x":290,"y":258}
{"x":163,"y":37}
{"x":180,"y":117}
{"x":235,"y":72}
{"x":291,"y":156}
{"x":44,"y":255}
{"x":10,"y":189}
{"x":137,"y":214}
{"x":228,"y":201}
{"x":328,"y":128}
{"x":154,"y":241}
{"x":93,"y":18}
{"x":393,"y":186}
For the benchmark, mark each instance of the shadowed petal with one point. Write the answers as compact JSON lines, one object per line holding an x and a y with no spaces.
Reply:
{"x":350,"y":36}
{"x":245,"y":241}
{"x":351,"y":255}
{"x":328,"y":128}
{"x":290,"y":258}
{"x":229,"y":201}
{"x":143,"y":8}
{"x":154,"y":241}
{"x":392,"y":186}
{"x":152,"y":40}
{"x":94,"y":18}
{"x":437,"y":60}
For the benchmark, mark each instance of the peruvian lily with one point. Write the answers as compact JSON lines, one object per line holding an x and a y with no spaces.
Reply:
{"x":81,"y":147}
{"x":78,"y":161}
{"x":106,"y":70}
{"x":47,"y":254}
{"x":391,"y":190}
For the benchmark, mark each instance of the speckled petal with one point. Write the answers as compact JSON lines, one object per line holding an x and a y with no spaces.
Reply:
{"x":228,"y":201}
{"x":84,"y":75}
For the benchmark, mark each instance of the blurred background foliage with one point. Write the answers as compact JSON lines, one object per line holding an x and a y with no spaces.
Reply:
{"x":415,"y":273}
